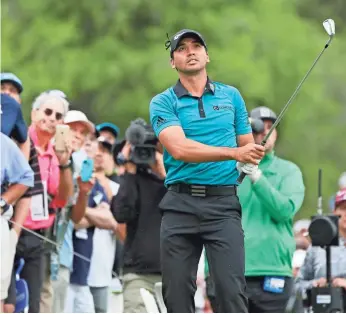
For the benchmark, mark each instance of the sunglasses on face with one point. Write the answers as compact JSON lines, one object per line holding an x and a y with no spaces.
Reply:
{"x":48,"y":112}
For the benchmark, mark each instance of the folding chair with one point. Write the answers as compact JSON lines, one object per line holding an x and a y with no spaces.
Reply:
{"x":159,"y":297}
{"x":149,"y":301}
{"x":22,"y":292}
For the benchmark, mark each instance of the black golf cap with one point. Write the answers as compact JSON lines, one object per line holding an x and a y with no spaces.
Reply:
{"x":173,"y":43}
{"x":263,"y":113}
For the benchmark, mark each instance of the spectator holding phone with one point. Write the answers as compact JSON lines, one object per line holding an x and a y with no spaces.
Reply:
{"x":52,"y":189}
{"x":61,"y":263}
{"x":97,"y":214}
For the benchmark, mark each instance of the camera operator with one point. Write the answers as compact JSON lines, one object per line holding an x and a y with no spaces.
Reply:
{"x":137,"y":205}
{"x":313,"y":271}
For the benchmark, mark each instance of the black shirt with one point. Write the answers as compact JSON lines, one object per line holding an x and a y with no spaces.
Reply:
{"x":113,"y":177}
{"x":137,"y":205}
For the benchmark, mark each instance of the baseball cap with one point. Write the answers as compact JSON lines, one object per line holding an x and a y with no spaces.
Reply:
{"x":263,"y":113}
{"x":9,"y":110}
{"x":340,"y":197}
{"x":109,"y":127}
{"x":79,"y":116}
{"x":10,"y":77}
{"x":175,"y":40}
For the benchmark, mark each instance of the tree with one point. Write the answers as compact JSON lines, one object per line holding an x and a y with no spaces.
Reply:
{"x":109,"y":58}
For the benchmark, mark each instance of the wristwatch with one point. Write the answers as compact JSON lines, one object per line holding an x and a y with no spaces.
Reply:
{"x":66,"y":166}
{"x":4,"y":206}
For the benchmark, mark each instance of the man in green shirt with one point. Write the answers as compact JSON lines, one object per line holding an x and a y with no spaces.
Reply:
{"x":270,"y":197}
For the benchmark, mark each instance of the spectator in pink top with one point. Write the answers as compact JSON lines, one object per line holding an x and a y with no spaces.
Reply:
{"x":52,"y":189}
{"x":48,"y":111}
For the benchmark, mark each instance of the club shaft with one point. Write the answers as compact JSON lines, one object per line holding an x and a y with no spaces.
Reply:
{"x":283,"y":111}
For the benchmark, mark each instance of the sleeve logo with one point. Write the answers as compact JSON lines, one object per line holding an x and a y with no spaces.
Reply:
{"x":160,"y":121}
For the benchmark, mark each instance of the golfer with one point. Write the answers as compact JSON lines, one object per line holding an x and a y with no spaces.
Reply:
{"x":204,"y":128}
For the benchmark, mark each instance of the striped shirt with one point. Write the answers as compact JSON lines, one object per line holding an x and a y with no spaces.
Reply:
{"x":33,"y":162}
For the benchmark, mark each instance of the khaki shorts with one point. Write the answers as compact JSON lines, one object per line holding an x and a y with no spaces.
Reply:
{"x":8,"y":243}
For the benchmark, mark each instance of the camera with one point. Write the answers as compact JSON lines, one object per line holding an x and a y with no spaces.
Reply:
{"x":324,"y":232}
{"x":143,"y":142}
{"x":257,"y":125}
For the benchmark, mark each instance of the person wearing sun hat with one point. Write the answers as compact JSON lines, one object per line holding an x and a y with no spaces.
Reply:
{"x":80,"y":127}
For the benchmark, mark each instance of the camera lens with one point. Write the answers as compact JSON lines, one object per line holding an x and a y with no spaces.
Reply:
{"x":144,"y":153}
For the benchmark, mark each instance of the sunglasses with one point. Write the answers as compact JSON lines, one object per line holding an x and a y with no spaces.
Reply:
{"x":48,"y":112}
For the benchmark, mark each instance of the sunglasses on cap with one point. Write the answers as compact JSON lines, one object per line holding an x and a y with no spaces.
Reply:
{"x":57,"y":92}
{"x":48,"y":112}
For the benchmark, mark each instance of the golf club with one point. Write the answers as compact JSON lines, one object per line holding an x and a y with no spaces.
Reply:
{"x":329,"y":26}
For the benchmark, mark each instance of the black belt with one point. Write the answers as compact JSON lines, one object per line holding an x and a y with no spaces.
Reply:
{"x":203,"y":190}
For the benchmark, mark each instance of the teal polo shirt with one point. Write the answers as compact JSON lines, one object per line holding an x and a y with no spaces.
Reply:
{"x":214,"y":119}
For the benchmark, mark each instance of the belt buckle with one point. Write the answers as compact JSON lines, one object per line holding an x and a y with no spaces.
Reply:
{"x":198,"y":190}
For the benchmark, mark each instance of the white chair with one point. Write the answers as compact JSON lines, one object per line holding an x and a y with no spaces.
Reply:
{"x":149,"y":301}
{"x":159,"y":297}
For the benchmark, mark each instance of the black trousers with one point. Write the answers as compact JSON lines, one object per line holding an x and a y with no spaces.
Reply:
{"x":261,"y":301}
{"x":32,"y":250}
{"x":188,"y":223}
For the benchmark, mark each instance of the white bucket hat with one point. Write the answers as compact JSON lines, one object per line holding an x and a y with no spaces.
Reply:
{"x":78,"y":116}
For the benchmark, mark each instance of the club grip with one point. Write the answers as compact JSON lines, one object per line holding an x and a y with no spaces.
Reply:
{"x":241,"y":177}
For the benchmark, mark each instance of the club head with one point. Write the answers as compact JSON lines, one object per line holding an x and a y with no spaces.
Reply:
{"x":329,"y":26}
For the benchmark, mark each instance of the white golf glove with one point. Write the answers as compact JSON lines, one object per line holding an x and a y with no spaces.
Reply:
{"x":250,"y":169}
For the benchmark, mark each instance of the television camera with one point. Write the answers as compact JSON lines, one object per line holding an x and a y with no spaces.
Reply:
{"x":143,"y":144}
{"x":324,"y":232}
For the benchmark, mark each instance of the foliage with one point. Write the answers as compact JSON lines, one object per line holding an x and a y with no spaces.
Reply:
{"x":109,"y":58}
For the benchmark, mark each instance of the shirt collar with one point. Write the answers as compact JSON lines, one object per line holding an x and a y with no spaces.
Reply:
{"x":33,"y":135}
{"x":181,"y":91}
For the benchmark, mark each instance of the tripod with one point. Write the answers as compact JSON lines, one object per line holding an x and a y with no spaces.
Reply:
{"x":324,"y":232}
{"x":327,"y":299}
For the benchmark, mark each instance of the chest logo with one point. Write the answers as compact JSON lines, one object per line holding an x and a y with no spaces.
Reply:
{"x":223,"y":107}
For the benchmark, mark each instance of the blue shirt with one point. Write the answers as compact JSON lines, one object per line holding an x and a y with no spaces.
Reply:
{"x":84,"y":244}
{"x":66,"y":251}
{"x":15,"y":168}
{"x":214,"y":119}
{"x":12,"y":121}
